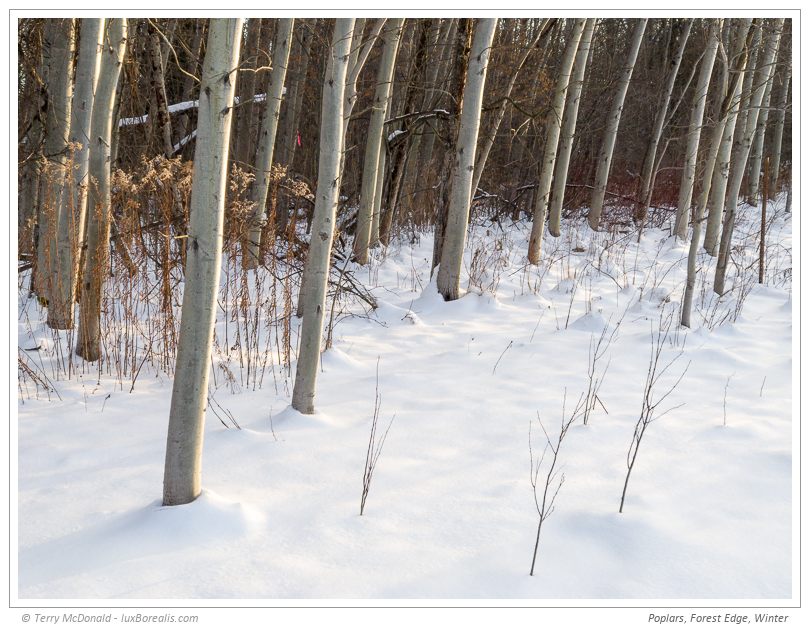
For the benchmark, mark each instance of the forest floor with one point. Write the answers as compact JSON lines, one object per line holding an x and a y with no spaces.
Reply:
{"x":451,"y":511}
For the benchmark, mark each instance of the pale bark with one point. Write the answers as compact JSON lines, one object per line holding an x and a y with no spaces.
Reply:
{"x":183,"y":468}
{"x":371,"y":163}
{"x":758,"y":143}
{"x":73,"y":203}
{"x":764,"y":69}
{"x":97,"y":257}
{"x":569,"y":127}
{"x":184,"y":124}
{"x":58,"y":50}
{"x":648,"y":169}
{"x":316,"y":272}
{"x":693,"y":136}
{"x":612,"y":128}
{"x":357,"y":60}
{"x":711,"y":157}
{"x":158,"y":81}
{"x":244,"y":114}
{"x":297,"y":75}
{"x":553,"y":126}
{"x":267,"y":140}
{"x":778,"y":129}
{"x":489,"y":137}
{"x":721,"y":167}
{"x":458,"y":214}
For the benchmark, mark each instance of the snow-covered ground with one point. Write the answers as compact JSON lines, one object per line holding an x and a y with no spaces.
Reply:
{"x":451,"y":511}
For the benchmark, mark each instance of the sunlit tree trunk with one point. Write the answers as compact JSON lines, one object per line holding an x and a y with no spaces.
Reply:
{"x":758,"y":143}
{"x":722,"y":163}
{"x":612,"y":128}
{"x":58,"y":47}
{"x":569,"y":127}
{"x":693,"y":136}
{"x":97,"y":258}
{"x":267,"y":140}
{"x":455,"y":233}
{"x":778,"y":128}
{"x":183,"y":468}
{"x":553,"y":127}
{"x":73,"y":203}
{"x":371,"y":162}
{"x":740,"y":159}
{"x":323,"y":223}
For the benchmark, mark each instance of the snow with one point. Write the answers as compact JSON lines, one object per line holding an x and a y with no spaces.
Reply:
{"x":450,"y":513}
{"x":180,"y":107}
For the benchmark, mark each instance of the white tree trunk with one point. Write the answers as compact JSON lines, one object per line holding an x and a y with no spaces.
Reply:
{"x":182,"y":474}
{"x":458,"y":215}
{"x":316,"y":272}
{"x":612,"y":128}
{"x":552,"y":127}
{"x":58,"y":47}
{"x":371,"y":162}
{"x":758,"y":144}
{"x":778,"y":128}
{"x":73,"y":204}
{"x":740,"y":58}
{"x":267,"y":140}
{"x":569,"y":127}
{"x":693,"y":136}
{"x":647,"y":170}
{"x":717,"y":138}
{"x":97,"y":257}
{"x":764,"y":69}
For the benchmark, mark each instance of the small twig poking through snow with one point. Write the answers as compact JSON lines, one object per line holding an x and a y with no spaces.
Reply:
{"x":725,"y":394}
{"x":650,"y":402}
{"x":501,"y":356}
{"x":375,"y":445}
{"x":554,"y":479}
{"x":763,"y":385}
{"x":597,"y":348}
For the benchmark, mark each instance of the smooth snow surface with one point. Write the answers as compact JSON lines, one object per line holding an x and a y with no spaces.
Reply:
{"x":450,"y":512}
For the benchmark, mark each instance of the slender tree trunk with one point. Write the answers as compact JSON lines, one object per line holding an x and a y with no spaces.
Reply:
{"x":244,"y":114}
{"x":722,"y":163}
{"x":693,"y":136}
{"x":717,"y":138}
{"x":569,"y":127}
{"x":647,"y":170}
{"x":758,"y":144}
{"x":489,"y":138}
{"x":297,"y":75}
{"x":164,"y":122}
{"x":57,"y":60}
{"x":97,"y":258}
{"x":612,"y":129}
{"x":184,"y":124}
{"x":323,"y":223}
{"x":73,"y":202}
{"x":267,"y":140}
{"x":460,"y":192}
{"x":371,"y":163}
{"x":778,"y":129}
{"x":764,"y":68}
{"x":358,"y":58}
{"x":183,"y":469}
{"x":553,"y":127}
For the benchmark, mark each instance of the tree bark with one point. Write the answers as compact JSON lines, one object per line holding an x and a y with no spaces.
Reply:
{"x":316,"y":273}
{"x":764,"y":69}
{"x":778,"y":128}
{"x":73,"y":203}
{"x":569,"y":127}
{"x":97,"y":258}
{"x":371,"y":162}
{"x":58,"y":50}
{"x":267,"y":140}
{"x":647,"y":170}
{"x":612,"y":129}
{"x":460,"y":191}
{"x":553,"y":128}
{"x":693,"y":136}
{"x":183,"y":468}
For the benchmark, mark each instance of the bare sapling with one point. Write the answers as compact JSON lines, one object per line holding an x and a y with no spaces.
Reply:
{"x":375,"y":442}
{"x":554,"y":478}
{"x":597,"y":348}
{"x":650,"y":402}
